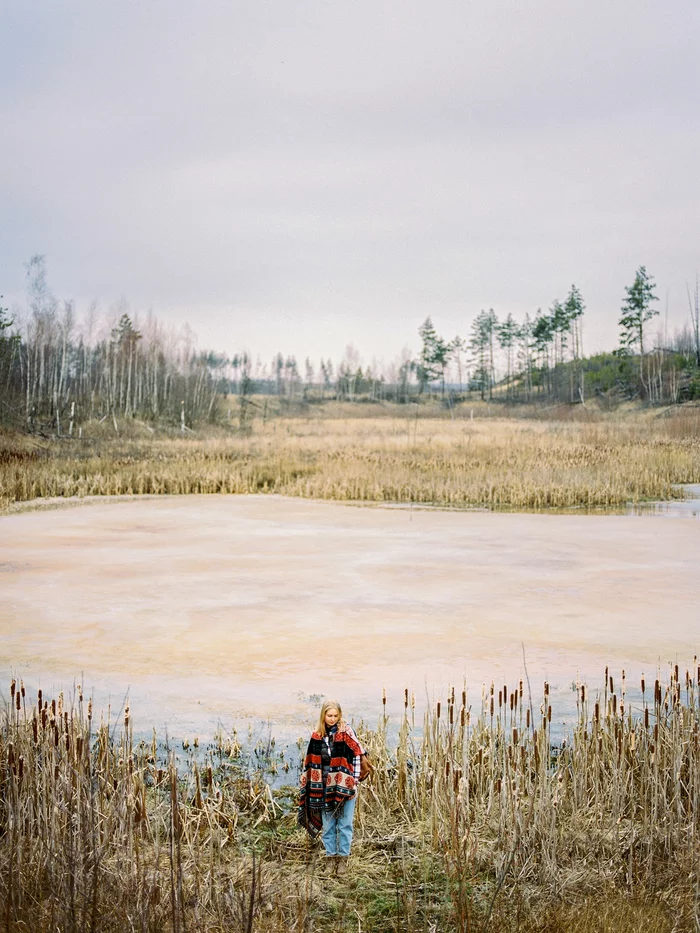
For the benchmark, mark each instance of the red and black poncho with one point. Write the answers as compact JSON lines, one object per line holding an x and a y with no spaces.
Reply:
{"x":340,"y":782}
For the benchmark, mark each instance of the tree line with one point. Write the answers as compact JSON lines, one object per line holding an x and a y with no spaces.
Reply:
{"x":542,"y":356}
{"x":55,"y":375}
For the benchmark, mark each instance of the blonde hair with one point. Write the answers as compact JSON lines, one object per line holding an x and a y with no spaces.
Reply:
{"x":325,"y":706}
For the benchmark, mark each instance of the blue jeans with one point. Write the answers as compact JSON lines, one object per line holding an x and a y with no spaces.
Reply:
{"x":337,"y":828}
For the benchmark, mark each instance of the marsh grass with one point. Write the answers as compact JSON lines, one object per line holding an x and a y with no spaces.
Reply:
{"x":475,"y":819}
{"x":447,"y":462}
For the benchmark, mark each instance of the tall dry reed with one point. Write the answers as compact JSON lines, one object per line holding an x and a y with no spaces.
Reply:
{"x":459,"y":463}
{"x":475,"y":817}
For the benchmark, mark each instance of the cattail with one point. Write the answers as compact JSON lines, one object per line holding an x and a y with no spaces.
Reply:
{"x":646,"y":717}
{"x":18,"y":701}
{"x":500,"y":699}
{"x":612,"y":685}
{"x":21,"y":688}
{"x":464,"y":697}
{"x":549,"y":714}
{"x":643,"y":685}
{"x":491,"y":707}
{"x":405,"y":698}
{"x":515,"y":736}
{"x":527,"y":718}
{"x":383,"y":696}
{"x":35,"y":729}
{"x":438,"y":709}
{"x":13,"y":687}
{"x":39,"y":697}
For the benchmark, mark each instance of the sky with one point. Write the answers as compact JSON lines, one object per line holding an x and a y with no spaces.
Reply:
{"x":299,"y":176}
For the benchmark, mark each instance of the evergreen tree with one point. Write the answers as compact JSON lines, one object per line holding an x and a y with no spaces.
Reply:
{"x":574,"y":307}
{"x":507,"y":336}
{"x":637,"y":311}
{"x":434,"y":356}
{"x":481,"y":345}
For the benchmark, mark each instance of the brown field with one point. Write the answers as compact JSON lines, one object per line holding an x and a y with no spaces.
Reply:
{"x":455,"y":458}
{"x":473,"y":820}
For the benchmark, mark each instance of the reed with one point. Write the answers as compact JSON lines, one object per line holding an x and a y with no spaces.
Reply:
{"x":476,"y":818}
{"x":459,"y":463}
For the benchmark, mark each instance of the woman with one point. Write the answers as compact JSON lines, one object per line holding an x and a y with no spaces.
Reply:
{"x":334,"y":764}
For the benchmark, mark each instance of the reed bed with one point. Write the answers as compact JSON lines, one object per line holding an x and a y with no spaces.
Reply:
{"x":475,"y":819}
{"x":458,"y":463}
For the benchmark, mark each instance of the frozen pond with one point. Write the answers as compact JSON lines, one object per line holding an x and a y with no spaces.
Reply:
{"x":209,"y":609}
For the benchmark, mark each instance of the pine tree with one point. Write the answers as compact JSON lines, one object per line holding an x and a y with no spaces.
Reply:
{"x":434,"y":356}
{"x":637,"y":311}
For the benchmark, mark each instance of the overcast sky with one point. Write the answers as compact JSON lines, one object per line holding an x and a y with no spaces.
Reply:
{"x":300,"y":175}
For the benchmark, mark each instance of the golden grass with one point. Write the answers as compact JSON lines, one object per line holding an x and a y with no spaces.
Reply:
{"x":448,"y":462}
{"x":475,"y":820}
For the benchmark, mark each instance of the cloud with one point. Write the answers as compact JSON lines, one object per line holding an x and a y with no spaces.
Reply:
{"x":351,"y":167}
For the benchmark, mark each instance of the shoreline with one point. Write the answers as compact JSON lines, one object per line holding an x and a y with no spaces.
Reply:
{"x":658,"y":507}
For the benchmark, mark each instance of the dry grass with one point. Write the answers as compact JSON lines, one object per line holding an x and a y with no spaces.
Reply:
{"x":475,"y":820}
{"x":449,"y":462}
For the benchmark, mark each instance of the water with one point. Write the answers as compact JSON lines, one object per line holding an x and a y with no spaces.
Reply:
{"x":211,"y":612}
{"x":676,"y":508}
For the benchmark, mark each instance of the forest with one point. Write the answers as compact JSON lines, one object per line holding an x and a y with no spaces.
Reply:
{"x":58,"y":372}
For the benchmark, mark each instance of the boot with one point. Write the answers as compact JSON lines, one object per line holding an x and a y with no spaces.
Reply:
{"x":329,"y":866}
{"x":342,"y":866}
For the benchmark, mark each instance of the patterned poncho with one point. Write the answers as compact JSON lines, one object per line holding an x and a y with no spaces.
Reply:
{"x":340,"y":779}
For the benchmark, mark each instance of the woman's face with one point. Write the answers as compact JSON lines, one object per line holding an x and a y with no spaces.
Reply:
{"x":332,"y":716}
